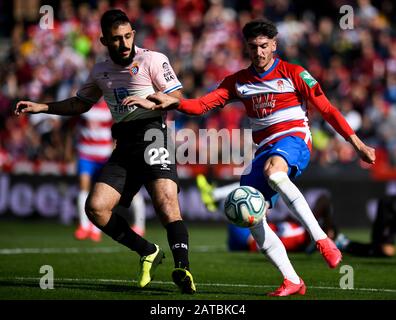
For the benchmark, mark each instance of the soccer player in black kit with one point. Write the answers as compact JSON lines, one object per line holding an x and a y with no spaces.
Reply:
{"x":142,"y":155}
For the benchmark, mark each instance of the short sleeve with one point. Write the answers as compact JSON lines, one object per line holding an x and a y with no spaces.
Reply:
{"x":162,"y":74}
{"x":90,"y":91}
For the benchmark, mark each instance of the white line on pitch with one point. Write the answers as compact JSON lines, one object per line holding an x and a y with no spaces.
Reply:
{"x":198,"y":284}
{"x":13,"y":251}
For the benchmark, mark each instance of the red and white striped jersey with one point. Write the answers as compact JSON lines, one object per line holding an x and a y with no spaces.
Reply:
{"x":95,"y":142}
{"x":275,"y":102}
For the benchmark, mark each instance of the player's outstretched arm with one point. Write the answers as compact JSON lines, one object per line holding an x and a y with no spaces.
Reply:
{"x":365,"y":152}
{"x":174,"y":100}
{"x":30,"y":107}
{"x":334,"y":117}
{"x":157,"y":101}
{"x":71,"y":106}
{"x":198,"y":106}
{"x":139,"y":102}
{"x":164,"y":101}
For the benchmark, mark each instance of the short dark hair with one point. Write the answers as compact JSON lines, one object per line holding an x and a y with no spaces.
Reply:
{"x":113,"y":18}
{"x":259,"y":27}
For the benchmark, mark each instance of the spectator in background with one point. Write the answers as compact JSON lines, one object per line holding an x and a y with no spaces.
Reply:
{"x":95,"y":146}
{"x":357,"y":63}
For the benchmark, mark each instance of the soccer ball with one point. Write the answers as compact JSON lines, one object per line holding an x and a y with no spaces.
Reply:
{"x":245,"y":206}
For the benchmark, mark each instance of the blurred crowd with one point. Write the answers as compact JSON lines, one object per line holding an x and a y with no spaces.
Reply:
{"x":356,"y":67}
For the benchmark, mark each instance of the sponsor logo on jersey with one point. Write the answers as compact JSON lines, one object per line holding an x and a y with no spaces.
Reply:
{"x":308,"y":79}
{"x":165,"y":66}
{"x":263,"y":104}
{"x":168,"y":74}
{"x":120,"y":109}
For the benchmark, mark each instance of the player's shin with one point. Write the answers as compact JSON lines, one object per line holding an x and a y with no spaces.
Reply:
{"x":270,"y":244}
{"x":296,"y":202}
{"x":118,"y":229}
{"x":178,"y":242}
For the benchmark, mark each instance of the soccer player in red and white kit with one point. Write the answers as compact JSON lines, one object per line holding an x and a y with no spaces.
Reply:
{"x":275,"y":94}
{"x":94,"y":148}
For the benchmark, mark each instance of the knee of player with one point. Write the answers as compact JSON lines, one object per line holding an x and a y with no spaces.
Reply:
{"x":94,"y":207}
{"x":274,"y":165}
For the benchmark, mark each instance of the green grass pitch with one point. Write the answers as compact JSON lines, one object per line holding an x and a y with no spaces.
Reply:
{"x":107,"y":270}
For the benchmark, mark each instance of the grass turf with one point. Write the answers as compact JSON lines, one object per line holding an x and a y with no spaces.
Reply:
{"x":107,"y":270}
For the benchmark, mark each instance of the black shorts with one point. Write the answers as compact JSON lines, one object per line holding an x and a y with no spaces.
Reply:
{"x":142,"y":154}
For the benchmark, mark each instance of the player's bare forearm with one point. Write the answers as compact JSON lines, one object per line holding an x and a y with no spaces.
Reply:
{"x":71,"y":106}
{"x":29,"y":107}
{"x":138,"y":102}
{"x":166,"y":101}
{"x":157,"y":101}
{"x":365,"y":152}
{"x":176,"y":94}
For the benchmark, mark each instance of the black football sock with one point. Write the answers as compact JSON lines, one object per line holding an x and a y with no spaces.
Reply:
{"x":178,"y":242}
{"x":364,"y":249}
{"x":119,"y":230}
{"x":385,"y":222}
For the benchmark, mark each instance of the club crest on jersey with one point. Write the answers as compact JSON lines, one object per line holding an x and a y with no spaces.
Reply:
{"x":281,"y":85}
{"x":263,"y":104}
{"x":134,"y":69}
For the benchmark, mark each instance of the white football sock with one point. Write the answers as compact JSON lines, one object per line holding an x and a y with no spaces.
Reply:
{"x":84,"y":221}
{"x":221,"y":193}
{"x":139,"y":211}
{"x":296,"y":202}
{"x":270,"y":244}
